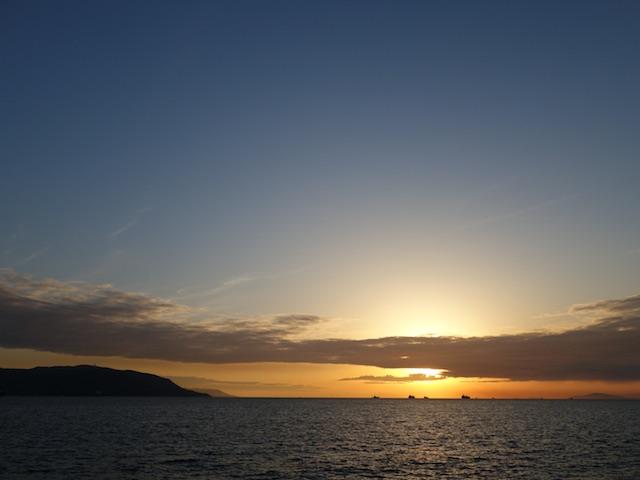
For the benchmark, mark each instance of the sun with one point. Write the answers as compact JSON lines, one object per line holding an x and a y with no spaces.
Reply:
{"x":429,"y":373}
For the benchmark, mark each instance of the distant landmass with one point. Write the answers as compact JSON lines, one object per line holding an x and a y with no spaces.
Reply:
{"x":87,"y":380}
{"x":212,"y":392}
{"x":598,"y":396}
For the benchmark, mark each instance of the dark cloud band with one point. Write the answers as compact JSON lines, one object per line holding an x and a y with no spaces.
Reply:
{"x":414,"y":377}
{"x":82,"y":319}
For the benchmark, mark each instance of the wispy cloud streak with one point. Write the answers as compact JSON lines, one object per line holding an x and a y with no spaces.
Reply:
{"x":83,"y":319}
{"x":230,"y":284}
{"x":516,"y":213}
{"x":31,"y":257}
{"x":414,"y":377}
{"x":117,"y":233}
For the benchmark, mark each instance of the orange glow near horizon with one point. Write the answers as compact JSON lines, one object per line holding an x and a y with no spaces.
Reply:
{"x":321,"y":380}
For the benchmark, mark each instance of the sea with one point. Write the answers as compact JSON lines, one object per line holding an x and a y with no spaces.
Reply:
{"x":223,"y":438}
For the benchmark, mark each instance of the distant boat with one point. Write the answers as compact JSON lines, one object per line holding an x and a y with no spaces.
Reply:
{"x":375,"y":396}
{"x":411,"y":397}
{"x":465,"y":397}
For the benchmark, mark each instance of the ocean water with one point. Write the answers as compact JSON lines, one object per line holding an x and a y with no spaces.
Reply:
{"x":184,"y":438}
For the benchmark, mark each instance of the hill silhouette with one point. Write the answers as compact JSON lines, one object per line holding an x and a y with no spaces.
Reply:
{"x":86,"y":380}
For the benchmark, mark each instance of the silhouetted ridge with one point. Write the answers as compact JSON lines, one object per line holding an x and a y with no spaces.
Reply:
{"x":86,"y":380}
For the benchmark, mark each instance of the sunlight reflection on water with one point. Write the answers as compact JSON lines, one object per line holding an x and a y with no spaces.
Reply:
{"x":139,"y":438}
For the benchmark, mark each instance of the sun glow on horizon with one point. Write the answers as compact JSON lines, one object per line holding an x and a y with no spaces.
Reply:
{"x":430,"y":374}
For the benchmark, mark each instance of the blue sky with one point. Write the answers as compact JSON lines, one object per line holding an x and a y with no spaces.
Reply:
{"x":400,"y":168}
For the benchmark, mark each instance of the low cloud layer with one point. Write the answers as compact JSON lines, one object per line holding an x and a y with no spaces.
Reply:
{"x":98,"y":320}
{"x":414,"y":377}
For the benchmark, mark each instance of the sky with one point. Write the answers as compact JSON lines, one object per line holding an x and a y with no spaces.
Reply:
{"x":324,"y":199}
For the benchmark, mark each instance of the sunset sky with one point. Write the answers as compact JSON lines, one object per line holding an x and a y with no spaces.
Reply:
{"x":324,"y":198}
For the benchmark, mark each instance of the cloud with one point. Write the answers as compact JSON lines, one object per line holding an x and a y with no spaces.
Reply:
{"x":32,"y":256}
{"x":11,"y":248}
{"x":116,"y":234}
{"x":120,"y":231}
{"x":625,"y":308}
{"x":235,"y":282}
{"x":82,"y":319}
{"x":414,"y":377}
{"x":209,"y":382}
{"x":516,"y":213}
{"x":277,"y":324}
{"x":203,"y":383}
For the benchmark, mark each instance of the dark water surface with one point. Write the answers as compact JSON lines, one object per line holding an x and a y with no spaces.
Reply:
{"x":171,"y":438}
